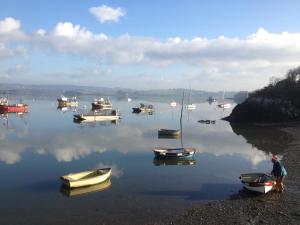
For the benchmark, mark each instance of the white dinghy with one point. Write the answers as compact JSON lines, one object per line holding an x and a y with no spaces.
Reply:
{"x":86,"y":178}
{"x":259,"y":182}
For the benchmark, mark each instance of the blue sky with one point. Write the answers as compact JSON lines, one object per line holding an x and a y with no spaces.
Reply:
{"x":210,"y":45}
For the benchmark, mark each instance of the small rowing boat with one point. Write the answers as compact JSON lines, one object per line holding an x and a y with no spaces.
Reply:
{"x":86,"y":178}
{"x":143,"y":108}
{"x":258,"y":182}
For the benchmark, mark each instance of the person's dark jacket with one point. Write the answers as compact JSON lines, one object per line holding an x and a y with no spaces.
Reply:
{"x":278,"y":169}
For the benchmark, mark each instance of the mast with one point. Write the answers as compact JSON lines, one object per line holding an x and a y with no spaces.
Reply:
{"x":181,"y":120}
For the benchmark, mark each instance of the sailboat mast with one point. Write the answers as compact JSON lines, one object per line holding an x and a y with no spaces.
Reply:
{"x":181,"y":119}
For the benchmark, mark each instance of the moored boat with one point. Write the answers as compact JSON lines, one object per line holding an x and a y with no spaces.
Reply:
{"x":175,"y":153}
{"x":168,"y":132}
{"x":143,"y":108}
{"x":211,"y":99}
{"x":64,"y":101}
{"x":5,"y":107}
{"x":86,"y":178}
{"x":102,"y":115}
{"x":191,"y":106}
{"x":101,"y":103}
{"x":258,"y":182}
{"x":173,"y":104}
{"x":224,"y":105}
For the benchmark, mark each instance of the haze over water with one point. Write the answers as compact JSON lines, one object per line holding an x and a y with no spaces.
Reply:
{"x":39,"y":147}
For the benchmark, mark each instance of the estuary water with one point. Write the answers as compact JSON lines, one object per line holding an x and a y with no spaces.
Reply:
{"x":39,"y":147}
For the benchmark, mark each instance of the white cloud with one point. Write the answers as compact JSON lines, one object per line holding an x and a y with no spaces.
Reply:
{"x":9,"y":25}
{"x":68,"y":30}
{"x":243,"y":63}
{"x":261,"y":49}
{"x":105,"y":13}
{"x":10,"y":33}
{"x":41,"y":32}
{"x":9,"y":157}
{"x":66,"y":147}
{"x":10,"y":30}
{"x":218,"y":63}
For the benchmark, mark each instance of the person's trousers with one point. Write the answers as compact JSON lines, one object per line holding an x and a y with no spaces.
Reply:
{"x":279,"y":184}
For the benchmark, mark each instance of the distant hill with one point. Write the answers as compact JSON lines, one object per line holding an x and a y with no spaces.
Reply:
{"x":278,"y":102}
{"x":54,"y":91}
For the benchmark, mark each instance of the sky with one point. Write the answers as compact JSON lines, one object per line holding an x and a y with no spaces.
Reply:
{"x":211,"y":45}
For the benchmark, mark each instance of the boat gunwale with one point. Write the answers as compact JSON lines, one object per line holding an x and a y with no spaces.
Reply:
{"x":70,"y":179}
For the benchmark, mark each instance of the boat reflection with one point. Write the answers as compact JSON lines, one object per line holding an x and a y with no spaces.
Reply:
{"x":85,"y":190}
{"x":169,"y":162}
{"x":66,"y":108}
{"x":167,"y":136}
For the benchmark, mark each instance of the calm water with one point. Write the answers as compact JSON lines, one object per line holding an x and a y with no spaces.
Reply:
{"x":37,"y":148}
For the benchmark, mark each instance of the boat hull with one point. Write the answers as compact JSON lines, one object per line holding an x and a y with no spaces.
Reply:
{"x":86,"y":178}
{"x":86,"y":190}
{"x":173,"y":104}
{"x":258,"y":182}
{"x":101,"y":106}
{"x":175,"y":153}
{"x":225,"y":105}
{"x":66,"y":103}
{"x":90,"y":118}
{"x":261,"y":189}
{"x":143,"y":108}
{"x":191,"y":106}
{"x":18,"y":108}
{"x":168,"y":132}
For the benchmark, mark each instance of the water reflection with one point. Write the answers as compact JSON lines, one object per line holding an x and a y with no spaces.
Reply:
{"x":85,"y":190}
{"x":268,"y":139}
{"x":116,"y":172}
{"x":64,"y":109}
{"x":54,"y":145}
{"x":58,"y":137}
{"x":168,"y":162}
{"x":168,"y":136}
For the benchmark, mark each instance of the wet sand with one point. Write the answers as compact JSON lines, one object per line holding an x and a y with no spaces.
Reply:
{"x":249,"y":208}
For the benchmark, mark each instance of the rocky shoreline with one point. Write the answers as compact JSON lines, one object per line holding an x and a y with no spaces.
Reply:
{"x":250,"y":208}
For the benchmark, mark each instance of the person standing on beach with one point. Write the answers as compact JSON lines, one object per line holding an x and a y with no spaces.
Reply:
{"x":279,"y":173}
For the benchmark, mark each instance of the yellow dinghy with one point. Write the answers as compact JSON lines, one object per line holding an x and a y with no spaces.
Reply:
{"x":86,"y":178}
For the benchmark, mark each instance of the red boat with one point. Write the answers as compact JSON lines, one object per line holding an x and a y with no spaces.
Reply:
{"x":12,"y":108}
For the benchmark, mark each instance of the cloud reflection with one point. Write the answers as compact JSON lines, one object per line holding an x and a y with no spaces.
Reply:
{"x":115,"y":171}
{"x":75,"y":144}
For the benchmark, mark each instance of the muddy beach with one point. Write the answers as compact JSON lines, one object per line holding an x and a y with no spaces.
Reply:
{"x":250,"y":208}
